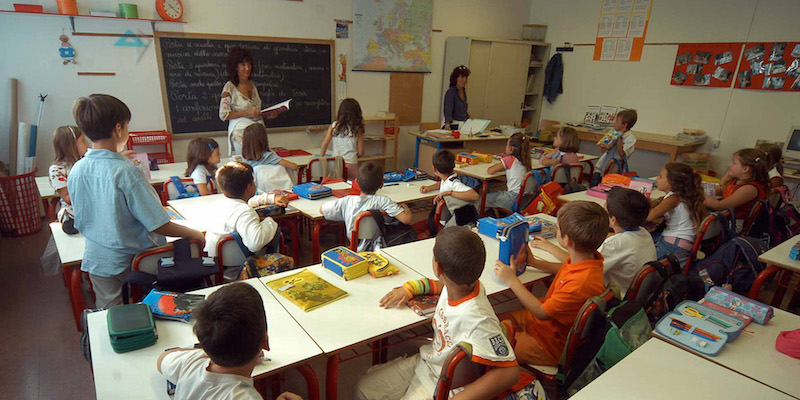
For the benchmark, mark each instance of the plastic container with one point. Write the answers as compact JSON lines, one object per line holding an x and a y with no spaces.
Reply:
{"x":534,"y":32}
{"x":19,"y":205}
{"x":127,"y":10}
{"x":67,"y":7}
{"x":28,"y":8}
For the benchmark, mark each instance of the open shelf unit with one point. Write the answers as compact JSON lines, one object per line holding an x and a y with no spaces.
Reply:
{"x":534,"y":88}
{"x":388,"y":142}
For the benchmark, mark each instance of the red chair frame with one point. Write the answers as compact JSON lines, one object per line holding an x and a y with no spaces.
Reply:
{"x":698,"y":241}
{"x":165,"y":192}
{"x":318,"y":160}
{"x":457,"y":359}
{"x":356,"y":224}
{"x":529,"y":177}
{"x":135,"y":292}
{"x":227,"y":238}
{"x":623,"y":164}
{"x":667,"y":264}
{"x":757,"y":211}
{"x":558,"y":167}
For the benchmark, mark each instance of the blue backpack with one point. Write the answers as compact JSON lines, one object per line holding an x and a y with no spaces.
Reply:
{"x":735,"y":263}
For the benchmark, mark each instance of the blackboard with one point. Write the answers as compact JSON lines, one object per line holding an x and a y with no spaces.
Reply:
{"x":192,"y":71}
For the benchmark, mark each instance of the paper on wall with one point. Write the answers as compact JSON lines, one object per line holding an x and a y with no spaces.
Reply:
{"x":641,"y":6}
{"x":624,"y":46}
{"x":638,"y":22}
{"x":609,"y":6}
{"x":624,"y":6}
{"x":609,"y":49}
{"x":606,"y":26}
{"x":621,"y":25}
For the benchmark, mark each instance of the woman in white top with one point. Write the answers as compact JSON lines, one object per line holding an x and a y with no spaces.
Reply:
{"x":682,"y":208}
{"x":347,"y":135}
{"x":240,"y":103}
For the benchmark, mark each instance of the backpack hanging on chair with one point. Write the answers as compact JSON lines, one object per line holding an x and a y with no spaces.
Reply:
{"x":391,"y":232}
{"x":258,"y":265}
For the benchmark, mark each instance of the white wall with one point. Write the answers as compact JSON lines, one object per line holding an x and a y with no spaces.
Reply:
{"x":736,"y":117}
{"x":30,"y":54}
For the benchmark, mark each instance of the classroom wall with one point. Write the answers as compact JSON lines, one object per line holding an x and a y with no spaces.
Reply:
{"x":30,"y":45}
{"x":736,"y":117}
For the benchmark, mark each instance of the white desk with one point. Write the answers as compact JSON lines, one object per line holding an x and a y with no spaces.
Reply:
{"x":70,"y":247}
{"x":657,"y":371}
{"x":755,"y":357}
{"x":778,"y":262}
{"x":134,"y":375}
{"x":779,"y":255}
{"x":302,"y":161}
{"x":354,"y":319}
{"x":418,"y":255}
{"x":195,"y":210}
{"x":583,"y":196}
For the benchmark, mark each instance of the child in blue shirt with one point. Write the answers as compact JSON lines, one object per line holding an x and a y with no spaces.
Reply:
{"x":115,"y":207}
{"x":255,"y":149}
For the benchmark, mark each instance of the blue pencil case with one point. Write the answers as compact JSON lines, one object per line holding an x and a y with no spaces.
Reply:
{"x":688,"y":338}
{"x":312,"y":191}
{"x":724,"y":323}
{"x":492,"y":227}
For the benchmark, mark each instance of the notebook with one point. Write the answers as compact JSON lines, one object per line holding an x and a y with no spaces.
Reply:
{"x":306,"y":290}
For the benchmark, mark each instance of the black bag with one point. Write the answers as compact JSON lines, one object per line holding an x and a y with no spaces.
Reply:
{"x":572,"y":184}
{"x":185,"y":275}
{"x":677,"y":288}
{"x":391,"y":233}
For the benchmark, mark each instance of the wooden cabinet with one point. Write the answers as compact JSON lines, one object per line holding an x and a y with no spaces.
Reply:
{"x":504,"y":86}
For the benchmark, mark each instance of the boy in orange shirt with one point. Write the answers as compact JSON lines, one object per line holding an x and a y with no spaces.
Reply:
{"x":543,"y":325}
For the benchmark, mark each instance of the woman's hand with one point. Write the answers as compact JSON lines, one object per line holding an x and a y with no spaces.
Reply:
{"x":396,"y":298}
{"x":270,"y":114}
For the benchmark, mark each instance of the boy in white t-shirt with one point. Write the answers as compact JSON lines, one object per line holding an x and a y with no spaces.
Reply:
{"x":621,"y":148}
{"x":231,"y":326}
{"x":463,"y":314}
{"x":630,"y":247}
{"x":458,"y":197}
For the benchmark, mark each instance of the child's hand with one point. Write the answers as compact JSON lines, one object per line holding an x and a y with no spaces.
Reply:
{"x":288,"y":396}
{"x":504,"y":272}
{"x":423,"y":189}
{"x":439,"y":197}
{"x":197,"y":235}
{"x":282,"y":200}
{"x":396,"y":298}
{"x":541,"y":243}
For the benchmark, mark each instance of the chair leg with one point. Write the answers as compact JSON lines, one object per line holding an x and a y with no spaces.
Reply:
{"x":332,"y":377}
{"x":311,"y":381}
{"x":762,"y":277}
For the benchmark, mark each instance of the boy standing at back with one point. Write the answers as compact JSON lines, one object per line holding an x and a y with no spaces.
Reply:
{"x":231,"y":326}
{"x":370,"y":179}
{"x":463,"y":314}
{"x":621,"y":148}
{"x":458,"y":197}
{"x":629,"y":248}
{"x":116,"y":208}
{"x":542,"y":326}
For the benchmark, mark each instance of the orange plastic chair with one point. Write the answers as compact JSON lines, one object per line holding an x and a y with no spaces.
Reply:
{"x":650,"y":279}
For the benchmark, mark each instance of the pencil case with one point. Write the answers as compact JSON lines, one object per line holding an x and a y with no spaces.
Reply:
{"x":760,"y":312}
{"x":312,"y":191}
{"x":482,"y":157}
{"x":727,"y":311}
{"x":467,"y":158}
{"x":512,"y":237}
{"x":687,"y":338}
{"x":492,"y":227}
{"x":730,"y":325}
{"x":345,"y":263}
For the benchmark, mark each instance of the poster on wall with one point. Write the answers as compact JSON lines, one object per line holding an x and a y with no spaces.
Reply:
{"x":392,"y":35}
{"x":705,"y":64}
{"x":621,"y":30}
{"x":770,"y":66}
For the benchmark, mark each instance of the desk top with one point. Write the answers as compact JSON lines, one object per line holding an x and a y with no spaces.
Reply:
{"x":401,"y":192}
{"x":644,"y":136}
{"x":70,"y":247}
{"x":582,"y":195}
{"x":356,"y":318}
{"x":779,"y":255}
{"x":195,"y":210}
{"x":134,"y":375}
{"x":463,"y":138}
{"x":417,"y":256}
{"x":479,"y":170}
{"x":659,"y":371}
{"x":754,"y":355}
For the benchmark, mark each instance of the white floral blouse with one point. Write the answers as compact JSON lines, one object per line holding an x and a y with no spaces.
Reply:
{"x":236,"y":101}
{"x":58,"y":180}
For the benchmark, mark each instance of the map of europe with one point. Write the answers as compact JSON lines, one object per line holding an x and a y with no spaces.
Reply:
{"x":393,"y":35}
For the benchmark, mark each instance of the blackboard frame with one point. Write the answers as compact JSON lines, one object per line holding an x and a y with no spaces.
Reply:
{"x":266,"y":39}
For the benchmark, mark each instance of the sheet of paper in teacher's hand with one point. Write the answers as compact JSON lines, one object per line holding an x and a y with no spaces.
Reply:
{"x":279,"y":108}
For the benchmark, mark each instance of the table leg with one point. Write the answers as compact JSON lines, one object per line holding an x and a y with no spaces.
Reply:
{"x":673,"y":154}
{"x":416,"y":153}
{"x":276,"y":385}
{"x":332,"y":377}
{"x":758,"y":284}
{"x":484,"y":191}
{"x":315,"y":256}
{"x":311,"y":381}
{"x":783,"y":282}
{"x":76,"y":296}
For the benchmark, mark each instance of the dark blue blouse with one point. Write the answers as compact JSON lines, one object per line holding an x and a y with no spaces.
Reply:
{"x":455,"y":109}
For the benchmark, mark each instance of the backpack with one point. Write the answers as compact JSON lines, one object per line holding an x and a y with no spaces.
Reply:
{"x":391,"y":232}
{"x":626,"y":328}
{"x":258,"y":265}
{"x":676,"y":289}
{"x":780,"y":224}
{"x":572,"y":184}
{"x":734,"y":264}
{"x":547,"y":201}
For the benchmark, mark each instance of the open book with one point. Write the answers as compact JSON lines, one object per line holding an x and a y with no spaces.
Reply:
{"x":280,"y":107}
{"x":474,"y":125}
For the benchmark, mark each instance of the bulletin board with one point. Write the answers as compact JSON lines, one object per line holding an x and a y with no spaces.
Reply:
{"x":770,"y":66}
{"x":621,"y":30}
{"x":706,"y":64}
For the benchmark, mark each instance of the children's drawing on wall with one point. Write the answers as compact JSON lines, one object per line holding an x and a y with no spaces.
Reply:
{"x":342,"y":28}
{"x":341,"y":78}
{"x":66,"y":51}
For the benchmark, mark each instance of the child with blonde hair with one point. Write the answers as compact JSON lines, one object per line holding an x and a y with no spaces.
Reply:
{"x":69,"y":145}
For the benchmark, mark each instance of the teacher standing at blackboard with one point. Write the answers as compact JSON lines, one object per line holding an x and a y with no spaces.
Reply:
{"x":455,"y":99}
{"x":240,"y":103}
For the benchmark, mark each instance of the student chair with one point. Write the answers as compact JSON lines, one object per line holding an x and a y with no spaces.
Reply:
{"x":709,"y":237}
{"x":230,"y":257}
{"x":589,"y":325}
{"x":526,"y":194}
{"x":588,"y":166}
{"x":147,"y":261}
{"x":440,"y":209}
{"x":757,"y":216}
{"x":170,"y":192}
{"x":559,"y":173}
{"x":333,"y":167}
{"x":364,"y":227}
{"x":616,"y":166}
{"x":648,"y":282}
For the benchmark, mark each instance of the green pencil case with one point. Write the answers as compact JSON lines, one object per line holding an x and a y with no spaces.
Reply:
{"x":131,"y":327}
